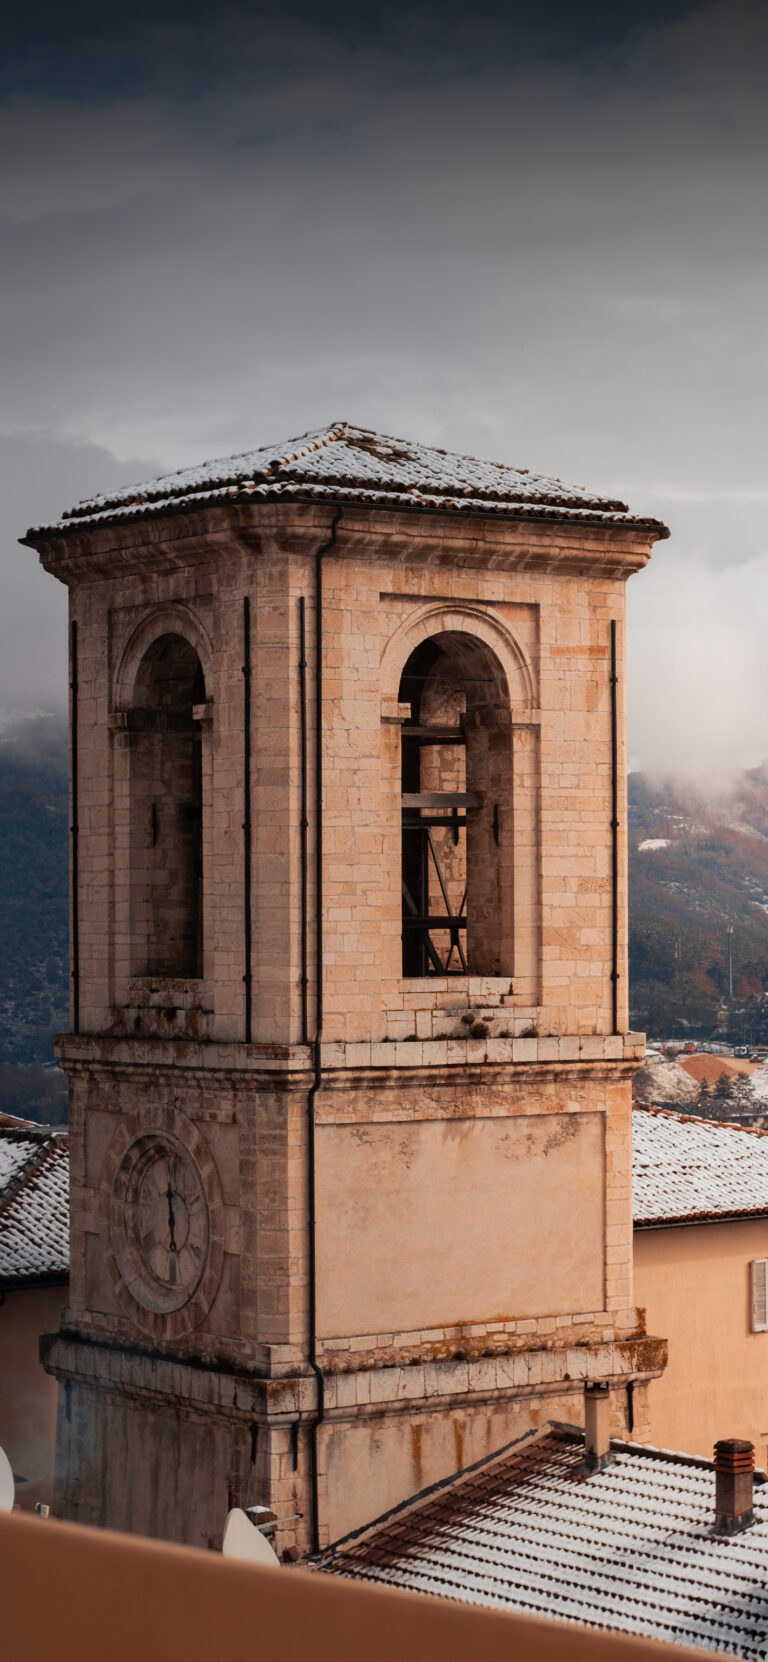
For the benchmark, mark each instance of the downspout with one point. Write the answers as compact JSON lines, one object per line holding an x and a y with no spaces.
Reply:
{"x":317,"y":1045}
{"x":614,"y":828}
{"x":248,"y":955}
{"x":73,"y":830}
{"x":303,"y":821}
{"x":630,"y":1406}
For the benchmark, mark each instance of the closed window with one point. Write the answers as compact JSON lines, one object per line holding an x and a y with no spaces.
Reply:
{"x":166,"y":812}
{"x":759,"y":1286}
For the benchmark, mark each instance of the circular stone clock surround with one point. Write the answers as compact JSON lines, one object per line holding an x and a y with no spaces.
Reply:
{"x":164,"y":1253}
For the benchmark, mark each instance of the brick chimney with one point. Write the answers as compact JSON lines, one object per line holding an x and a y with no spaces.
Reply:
{"x":597,"y":1426}
{"x":734,"y":1469}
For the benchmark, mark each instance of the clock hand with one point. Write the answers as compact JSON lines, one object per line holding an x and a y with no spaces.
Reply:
{"x":171,"y":1219}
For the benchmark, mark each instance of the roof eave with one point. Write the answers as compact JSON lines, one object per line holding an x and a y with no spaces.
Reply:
{"x":689,"y":1219}
{"x":548,"y":513}
{"x":34,"y":1283}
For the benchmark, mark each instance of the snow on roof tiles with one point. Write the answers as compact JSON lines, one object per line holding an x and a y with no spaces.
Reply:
{"x":631,"y":1548}
{"x":14,"y":1153}
{"x":685,"y":1168}
{"x":34,"y":1209}
{"x":342,"y":463}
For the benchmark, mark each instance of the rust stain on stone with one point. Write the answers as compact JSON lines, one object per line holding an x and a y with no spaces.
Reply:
{"x":416,"y":1431}
{"x":458,"y":1438}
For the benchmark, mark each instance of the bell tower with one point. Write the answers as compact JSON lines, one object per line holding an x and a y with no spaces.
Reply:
{"x":349,"y":1065}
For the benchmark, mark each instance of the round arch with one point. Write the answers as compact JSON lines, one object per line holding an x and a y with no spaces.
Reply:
{"x":173,"y":619}
{"x":437,"y":619}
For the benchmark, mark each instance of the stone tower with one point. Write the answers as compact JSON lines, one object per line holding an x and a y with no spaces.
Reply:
{"x":349,"y":1062}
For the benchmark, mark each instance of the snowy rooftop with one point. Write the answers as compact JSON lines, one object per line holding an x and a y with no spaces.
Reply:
{"x":631,"y":1548}
{"x":34,"y":1207}
{"x":15,"y":1151}
{"x":342,"y":463}
{"x":685,"y":1168}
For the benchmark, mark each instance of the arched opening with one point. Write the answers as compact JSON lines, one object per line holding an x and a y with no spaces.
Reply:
{"x":167,"y":812}
{"x":456,"y":810}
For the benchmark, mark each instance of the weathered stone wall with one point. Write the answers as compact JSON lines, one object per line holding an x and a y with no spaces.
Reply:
{"x":541,"y":600}
{"x":472,"y":1133}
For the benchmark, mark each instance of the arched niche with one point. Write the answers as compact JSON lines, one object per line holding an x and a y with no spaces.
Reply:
{"x":457,"y":809}
{"x":166,"y":811}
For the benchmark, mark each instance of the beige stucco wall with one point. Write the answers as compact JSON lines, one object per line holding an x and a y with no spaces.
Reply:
{"x":432,"y":1223}
{"x":27,"y":1393}
{"x":694,"y":1284}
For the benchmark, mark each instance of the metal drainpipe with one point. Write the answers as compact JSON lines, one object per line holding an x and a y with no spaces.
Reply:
{"x":615,"y":827}
{"x":304,"y":821}
{"x":73,"y":830}
{"x":317,"y":1046}
{"x":247,"y":944}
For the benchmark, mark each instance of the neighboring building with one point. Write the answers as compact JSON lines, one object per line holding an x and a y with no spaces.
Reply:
{"x":633,"y":1548}
{"x":34,"y":1271}
{"x":701,"y":1256}
{"x":350,"y":1067}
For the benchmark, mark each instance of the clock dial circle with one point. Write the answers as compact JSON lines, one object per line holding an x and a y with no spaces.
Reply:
{"x":172,"y":1221}
{"x":160,"y":1223}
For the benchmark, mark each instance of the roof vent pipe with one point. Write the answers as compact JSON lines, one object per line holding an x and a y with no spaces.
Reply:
{"x":734,"y":1476}
{"x":597,"y":1426}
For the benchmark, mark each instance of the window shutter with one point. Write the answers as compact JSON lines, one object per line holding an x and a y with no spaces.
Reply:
{"x":759,"y":1269}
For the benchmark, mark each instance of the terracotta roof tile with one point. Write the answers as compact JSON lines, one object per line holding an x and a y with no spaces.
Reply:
{"x":15,"y":1151}
{"x":685,"y":1168}
{"x":342,"y":463}
{"x":34,"y":1208}
{"x":631,"y":1548}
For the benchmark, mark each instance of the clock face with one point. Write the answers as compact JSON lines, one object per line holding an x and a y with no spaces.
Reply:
{"x":160,"y":1223}
{"x":172,"y":1221}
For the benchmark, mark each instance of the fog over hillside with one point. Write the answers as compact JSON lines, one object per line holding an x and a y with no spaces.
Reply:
{"x":698,"y":864}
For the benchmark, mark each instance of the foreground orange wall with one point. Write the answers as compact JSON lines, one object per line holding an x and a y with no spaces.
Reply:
{"x":694,"y":1284}
{"x":108,"y":1595}
{"x":27,"y":1392}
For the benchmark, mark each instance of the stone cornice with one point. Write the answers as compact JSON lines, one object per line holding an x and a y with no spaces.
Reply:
{"x":159,"y":1382}
{"x":357,"y":1066}
{"x":483,"y":541}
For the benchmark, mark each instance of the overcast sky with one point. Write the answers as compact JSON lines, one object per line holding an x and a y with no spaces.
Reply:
{"x":534,"y":234}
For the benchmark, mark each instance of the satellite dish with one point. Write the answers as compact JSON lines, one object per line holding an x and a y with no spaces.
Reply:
{"x":243,"y":1540}
{"x":7,"y":1485}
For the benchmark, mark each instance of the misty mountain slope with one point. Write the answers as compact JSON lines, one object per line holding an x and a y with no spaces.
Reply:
{"x":698,"y":866}
{"x":34,"y":967}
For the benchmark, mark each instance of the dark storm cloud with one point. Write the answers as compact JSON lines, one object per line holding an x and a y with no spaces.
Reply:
{"x":89,"y":51}
{"x":47,"y":472}
{"x":538,"y":237}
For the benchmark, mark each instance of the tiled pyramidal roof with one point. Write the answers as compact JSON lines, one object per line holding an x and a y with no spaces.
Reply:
{"x":34,"y":1207}
{"x":685,"y":1168}
{"x":342,"y":463}
{"x":631,"y":1548}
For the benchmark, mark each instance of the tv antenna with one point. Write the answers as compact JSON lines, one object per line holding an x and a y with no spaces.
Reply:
{"x":7,"y":1485}
{"x":243,"y":1539}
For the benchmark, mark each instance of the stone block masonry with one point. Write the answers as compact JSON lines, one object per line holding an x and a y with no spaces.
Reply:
{"x":403,"y":1165}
